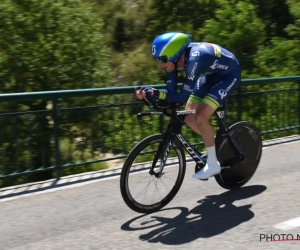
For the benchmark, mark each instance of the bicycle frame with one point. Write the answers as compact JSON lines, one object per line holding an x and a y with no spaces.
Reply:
{"x":175,"y":125}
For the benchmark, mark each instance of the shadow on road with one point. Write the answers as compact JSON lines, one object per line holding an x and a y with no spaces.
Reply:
{"x":214,"y":215}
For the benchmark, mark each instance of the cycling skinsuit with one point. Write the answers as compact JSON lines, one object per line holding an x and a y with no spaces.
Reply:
{"x":212,"y":73}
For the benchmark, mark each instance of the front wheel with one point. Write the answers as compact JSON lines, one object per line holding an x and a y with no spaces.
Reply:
{"x":144,"y":188}
{"x":248,"y":138}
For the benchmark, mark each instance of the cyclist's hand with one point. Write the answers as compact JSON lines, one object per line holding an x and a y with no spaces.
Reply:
{"x":139,"y":92}
{"x":148,"y":93}
{"x":151,"y":94}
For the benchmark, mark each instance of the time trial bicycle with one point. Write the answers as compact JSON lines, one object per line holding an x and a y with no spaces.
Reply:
{"x":238,"y":149}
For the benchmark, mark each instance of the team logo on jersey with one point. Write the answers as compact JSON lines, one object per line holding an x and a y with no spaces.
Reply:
{"x":196,"y":53}
{"x":202,"y":46}
{"x":226,"y":55}
{"x":187,"y":88}
{"x":192,"y":75}
{"x":222,"y":93}
{"x":231,"y":84}
{"x":216,"y":65}
{"x":213,"y":96}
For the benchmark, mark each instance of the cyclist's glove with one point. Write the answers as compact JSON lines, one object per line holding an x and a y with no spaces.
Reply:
{"x":153,"y":94}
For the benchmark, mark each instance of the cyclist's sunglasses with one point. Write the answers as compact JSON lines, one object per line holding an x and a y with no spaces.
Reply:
{"x":161,"y":59}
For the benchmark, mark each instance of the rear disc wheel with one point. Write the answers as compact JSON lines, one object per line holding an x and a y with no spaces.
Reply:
{"x":248,"y":138}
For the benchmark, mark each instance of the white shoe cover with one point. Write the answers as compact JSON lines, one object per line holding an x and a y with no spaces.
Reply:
{"x":208,"y":171}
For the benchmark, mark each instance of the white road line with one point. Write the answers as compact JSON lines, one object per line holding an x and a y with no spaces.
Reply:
{"x":289,"y":224}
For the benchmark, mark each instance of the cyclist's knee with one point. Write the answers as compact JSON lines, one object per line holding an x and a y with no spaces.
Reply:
{"x":191,"y":105}
{"x":190,"y":120}
{"x":200,"y":120}
{"x":203,"y":114}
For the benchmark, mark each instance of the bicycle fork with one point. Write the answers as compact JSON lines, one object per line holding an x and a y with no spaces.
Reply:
{"x":163,"y":148}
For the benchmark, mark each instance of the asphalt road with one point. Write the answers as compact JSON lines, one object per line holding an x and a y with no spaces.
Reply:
{"x":201,"y":216}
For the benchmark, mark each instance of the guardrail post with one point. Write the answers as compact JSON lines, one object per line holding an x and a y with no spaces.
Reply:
{"x":56,"y":138}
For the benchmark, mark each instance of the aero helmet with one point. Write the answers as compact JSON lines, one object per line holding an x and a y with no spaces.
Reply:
{"x":169,"y":46}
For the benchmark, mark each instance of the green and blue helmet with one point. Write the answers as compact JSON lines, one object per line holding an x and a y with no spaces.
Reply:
{"x":169,"y":46}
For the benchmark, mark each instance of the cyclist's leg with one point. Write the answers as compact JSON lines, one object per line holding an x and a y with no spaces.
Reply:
{"x":217,"y":96}
{"x":190,"y":119}
{"x":201,"y":122}
{"x":200,"y":91}
{"x":195,"y":102}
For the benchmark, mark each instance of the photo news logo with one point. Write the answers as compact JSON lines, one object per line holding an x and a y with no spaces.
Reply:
{"x":278,"y":237}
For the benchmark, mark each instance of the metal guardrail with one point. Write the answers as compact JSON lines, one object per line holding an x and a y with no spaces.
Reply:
{"x":55,"y":133}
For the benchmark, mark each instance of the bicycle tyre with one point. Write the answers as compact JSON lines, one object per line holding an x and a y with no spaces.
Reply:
{"x":248,"y":137}
{"x":125,"y":192}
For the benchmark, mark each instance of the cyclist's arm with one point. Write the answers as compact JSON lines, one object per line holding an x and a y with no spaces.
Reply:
{"x":172,"y":82}
{"x":170,"y":94}
{"x":193,"y":71}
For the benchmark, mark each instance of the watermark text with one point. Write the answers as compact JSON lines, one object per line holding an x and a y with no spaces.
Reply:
{"x":278,"y":237}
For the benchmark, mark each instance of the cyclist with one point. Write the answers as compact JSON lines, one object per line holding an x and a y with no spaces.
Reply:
{"x":212,"y":73}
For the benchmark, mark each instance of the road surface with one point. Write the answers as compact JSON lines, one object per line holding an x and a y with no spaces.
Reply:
{"x":92,"y":215}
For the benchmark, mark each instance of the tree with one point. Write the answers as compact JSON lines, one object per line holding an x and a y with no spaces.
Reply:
{"x":47,"y":45}
{"x":178,"y":15}
{"x":50,"y":45}
{"x":237,"y":28}
{"x":281,"y":56}
{"x":275,"y":15}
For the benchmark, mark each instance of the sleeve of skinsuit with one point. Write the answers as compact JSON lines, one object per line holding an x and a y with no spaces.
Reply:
{"x":193,"y":70}
{"x":172,"y":82}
